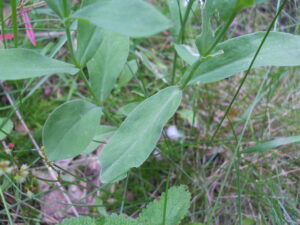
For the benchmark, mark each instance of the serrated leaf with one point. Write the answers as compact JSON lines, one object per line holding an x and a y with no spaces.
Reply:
{"x":178,"y":203}
{"x":6,"y":126}
{"x":280,"y":49}
{"x":134,"y":18}
{"x":136,"y":138}
{"x":70,"y":129}
{"x":108,"y":62}
{"x":272,"y":144}
{"x":101,"y":134}
{"x":23,"y":63}
{"x":58,"y":7}
{"x":82,"y":220}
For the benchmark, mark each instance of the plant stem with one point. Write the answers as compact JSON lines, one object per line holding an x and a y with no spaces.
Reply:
{"x":65,"y":5}
{"x":5,"y":206}
{"x":77,"y":64}
{"x":166,"y":198}
{"x":190,"y":75}
{"x":2,"y":23}
{"x":221,"y":34}
{"x":248,"y":70}
{"x":236,"y":151}
{"x":180,"y":38}
{"x":13,"y":4}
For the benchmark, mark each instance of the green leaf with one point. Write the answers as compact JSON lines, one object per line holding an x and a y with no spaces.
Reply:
{"x":128,"y":72}
{"x":127,"y":109}
{"x":136,"y":138}
{"x":272,"y":144}
{"x":58,"y":7}
{"x":187,"y":54}
{"x":89,"y":38}
{"x":101,"y":134}
{"x":280,"y":49}
{"x":196,"y":224}
{"x":82,"y":220}
{"x":134,"y":18}
{"x":189,"y":116}
{"x":108,"y":63}
{"x":178,"y":203}
{"x":22,"y":63}
{"x":227,"y":10}
{"x":117,"y":220}
{"x":6,"y":126}
{"x":70,"y":129}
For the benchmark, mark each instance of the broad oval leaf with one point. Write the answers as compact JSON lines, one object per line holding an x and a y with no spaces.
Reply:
{"x":108,"y":63}
{"x":280,"y":49}
{"x":70,"y":129}
{"x":134,"y":18}
{"x":136,"y":138}
{"x":22,"y":63}
{"x":6,"y":126}
{"x":178,"y":203}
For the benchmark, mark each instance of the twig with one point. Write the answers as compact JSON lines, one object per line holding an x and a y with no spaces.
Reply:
{"x":51,"y":171}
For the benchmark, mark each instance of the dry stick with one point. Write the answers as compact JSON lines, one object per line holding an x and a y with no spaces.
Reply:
{"x":51,"y":171}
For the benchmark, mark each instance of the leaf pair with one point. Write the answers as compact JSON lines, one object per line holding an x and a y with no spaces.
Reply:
{"x":177,"y":205}
{"x":280,"y":49}
{"x":71,"y":129}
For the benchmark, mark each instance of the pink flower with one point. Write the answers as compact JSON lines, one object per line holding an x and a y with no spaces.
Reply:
{"x":6,"y":37}
{"x":28,"y":26}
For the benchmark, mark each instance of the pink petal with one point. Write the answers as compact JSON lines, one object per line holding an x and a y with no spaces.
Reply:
{"x":6,"y":37}
{"x":28,"y":26}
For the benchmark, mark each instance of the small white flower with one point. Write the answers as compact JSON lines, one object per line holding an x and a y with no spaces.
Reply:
{"x":22,"y":174}
{"x":5,"y":168}
{"x":173,"y":133}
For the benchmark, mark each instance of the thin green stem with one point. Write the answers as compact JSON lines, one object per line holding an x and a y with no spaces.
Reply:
{"x":89,"y":87}
{"x":248,"y":71}
{"x":5,"y":206}
{"x":166,"y":198}
{"x":77,"y":64}
{"x":124,"y":195}
{"x":180,"y":38}
{"x":220,"y":34}
{"x":191,"y":73}
{"x":13,"y":4}
{"x":2,"y":23}
{"x":236,"y":151}
{"x":65,"y":5}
